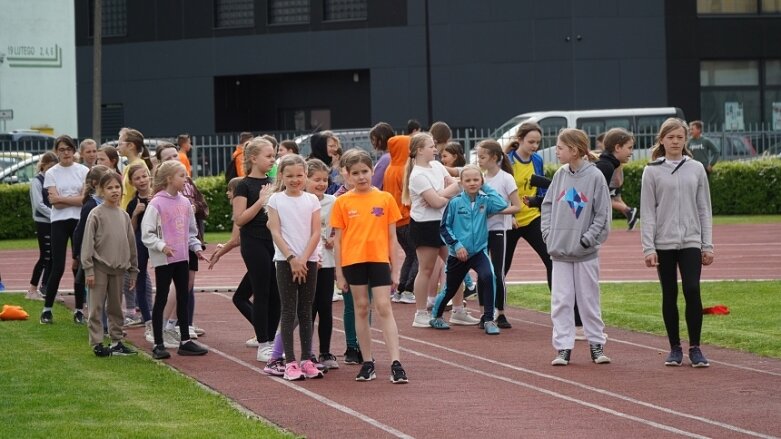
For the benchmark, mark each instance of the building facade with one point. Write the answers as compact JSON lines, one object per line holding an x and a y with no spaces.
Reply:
{"x":210,"y":66}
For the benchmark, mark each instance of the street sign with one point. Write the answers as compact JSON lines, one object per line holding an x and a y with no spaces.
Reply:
{"x":6,"y":114}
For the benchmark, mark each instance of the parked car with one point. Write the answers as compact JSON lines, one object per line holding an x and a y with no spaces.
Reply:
{"x":734,"y":146}
{"x":21,"y":172}
{"x":348,"y":138}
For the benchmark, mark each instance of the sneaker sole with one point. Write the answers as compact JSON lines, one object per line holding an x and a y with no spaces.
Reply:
{"x":186,"y":353}
{"x":601,"y":360}
{"x":463,"y":323}
{"x":403,"y":381}
{"x":371,"y":377}
{"x":314,"y":377}
{"x":698,"y":365}
{"x":420,"y":325}
{"x":559,"y":362}
{"x":672,"y":363}
{"x":162,"y":357}
{"x":300,"y":378}
{"x":407,"y":301}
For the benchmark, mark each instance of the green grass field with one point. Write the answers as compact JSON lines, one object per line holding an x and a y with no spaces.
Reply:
{"x":753,"y":325}
{"x":54,"y":387}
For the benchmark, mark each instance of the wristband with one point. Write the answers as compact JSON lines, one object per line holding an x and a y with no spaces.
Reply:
{"x":290,"y":257}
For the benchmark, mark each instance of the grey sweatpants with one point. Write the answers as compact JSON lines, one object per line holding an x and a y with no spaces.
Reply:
{"x":571,"y":280}
{"x":296,"y":301}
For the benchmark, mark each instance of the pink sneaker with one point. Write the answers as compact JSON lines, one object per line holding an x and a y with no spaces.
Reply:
{"x":275,"y":367}
{"x":309,"y":370}
{"x":292,"y":372}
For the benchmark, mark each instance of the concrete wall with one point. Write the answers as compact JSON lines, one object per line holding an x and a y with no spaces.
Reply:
{"x":38,"y":68}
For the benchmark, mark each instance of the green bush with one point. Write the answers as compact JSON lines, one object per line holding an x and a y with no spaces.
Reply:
{"x":737,"y":188}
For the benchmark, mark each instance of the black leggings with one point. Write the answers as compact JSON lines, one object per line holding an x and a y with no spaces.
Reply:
{"x":180,"y":274}
{"x":43,"y":266}
{"x":241,"y":298}
{"x":409,"y":269}
{"x":61,"y":232}
{"x":497,"y":246}
{"x":689,"y":261}
{"x":258,"y":258}
{"x":296,"y":300}
{"x":322,"y":306}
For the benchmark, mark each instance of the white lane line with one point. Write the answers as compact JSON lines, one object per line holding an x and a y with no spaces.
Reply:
{"x":317,"y":397}
{"x":541,"y":390}
{"x":638,"y":345}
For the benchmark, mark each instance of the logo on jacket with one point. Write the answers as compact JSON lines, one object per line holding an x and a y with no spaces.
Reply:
{"x":577,"y":200}
{"x":378,"y":211}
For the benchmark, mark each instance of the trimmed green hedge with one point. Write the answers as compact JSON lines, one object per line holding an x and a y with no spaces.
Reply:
{"x":737,"y":188}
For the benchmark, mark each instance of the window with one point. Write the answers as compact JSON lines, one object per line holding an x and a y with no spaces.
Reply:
{"x":550,"y":130}
{"x":114,"y":14}
{"x":288,"y":11}
{"x":234,"y":13}
{"x":344,"y":10}
{"x":709,"y":7}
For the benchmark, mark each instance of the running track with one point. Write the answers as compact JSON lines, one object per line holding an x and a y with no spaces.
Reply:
{"x":466,"y":384}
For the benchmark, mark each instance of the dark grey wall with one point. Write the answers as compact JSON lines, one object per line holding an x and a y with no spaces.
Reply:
{"x":489,"y":60}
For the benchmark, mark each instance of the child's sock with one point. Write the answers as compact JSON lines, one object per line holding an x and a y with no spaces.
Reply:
{"x":458,"y":308}
{"x":430,"y":301}
{"x":46,"y":308}
{"x":170,"y":324}
{"x":81,"y":310}
{"x":278,"y":349}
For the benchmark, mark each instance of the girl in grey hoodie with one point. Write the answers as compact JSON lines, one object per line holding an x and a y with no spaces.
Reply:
{"x":575,"y":222}
{"x":677,"y":233}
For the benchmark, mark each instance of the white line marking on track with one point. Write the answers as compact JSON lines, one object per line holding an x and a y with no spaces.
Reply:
{"x":638,"y":345}
{"x":317,"y":397}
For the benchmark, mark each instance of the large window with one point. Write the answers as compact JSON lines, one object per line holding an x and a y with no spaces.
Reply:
{"x":707,"y":7}
{"x":234,"y":13}
{"x":288,"y":11}
{"x":740,"y":94}
{"x":344,"y":10}
{"x":114,"y":14}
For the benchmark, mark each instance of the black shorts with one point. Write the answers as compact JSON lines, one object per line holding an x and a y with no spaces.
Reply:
{"x":425,"y":234}
{"x":193,"y":262}
{"x":376,"y":274}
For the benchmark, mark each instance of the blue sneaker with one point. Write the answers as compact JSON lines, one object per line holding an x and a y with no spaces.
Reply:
{"x":438,"y":302}
{"x":438,"y":323}
{"x":697,"y":358}
{"x":491,"y":328}
{"x":2,"y":287}
{"x":676,"y":356}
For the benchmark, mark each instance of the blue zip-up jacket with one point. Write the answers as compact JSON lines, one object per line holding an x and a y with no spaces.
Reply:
{"x":466,"y":226}
{"x":537,"y":163}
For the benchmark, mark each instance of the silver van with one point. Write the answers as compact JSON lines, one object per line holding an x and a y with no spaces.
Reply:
{"x":642,"y":122}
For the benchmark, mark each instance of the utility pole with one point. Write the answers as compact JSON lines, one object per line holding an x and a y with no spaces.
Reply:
{"x":97,"y":72}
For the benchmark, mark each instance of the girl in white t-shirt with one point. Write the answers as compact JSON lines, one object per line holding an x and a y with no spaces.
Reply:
{"x":64,"y":183}
{"x":427,"y":188}
{"x":499,"y":175}
{"x":294,"y":222}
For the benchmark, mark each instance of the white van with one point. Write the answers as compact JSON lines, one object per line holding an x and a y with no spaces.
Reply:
{"x":642,"y":122}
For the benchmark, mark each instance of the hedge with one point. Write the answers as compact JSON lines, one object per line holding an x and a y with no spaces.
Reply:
{"x":737,"y":188}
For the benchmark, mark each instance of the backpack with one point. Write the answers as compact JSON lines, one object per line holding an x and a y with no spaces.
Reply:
{"x":230,"y":171}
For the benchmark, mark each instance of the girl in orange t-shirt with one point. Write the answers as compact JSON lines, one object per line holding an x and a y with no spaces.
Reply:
{"x":365,"y":251}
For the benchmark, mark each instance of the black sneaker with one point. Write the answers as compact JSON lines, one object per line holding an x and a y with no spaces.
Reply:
{"x":697,"y":358}
{"x":160,"y":353}
{"x":78,"y":317}
{"x":121,"y":349}
{"x":367,"y":372}
{"x":562,"y":358}
{"x":469,"y":292}
{"x":598,"y":354}
{"x":101,"y":351}
{"x":46,"y":318}
{"x":190,"y":348}
{"x":631,"y":218}
{"x":398,"y":376}
{"x":481,"y":325}
{"x":675,"y":358}
{"x":501,"y":321}
{"x":353,"y":356}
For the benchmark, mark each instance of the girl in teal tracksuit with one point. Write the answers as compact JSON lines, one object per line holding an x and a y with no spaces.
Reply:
{"x":464,"y":229}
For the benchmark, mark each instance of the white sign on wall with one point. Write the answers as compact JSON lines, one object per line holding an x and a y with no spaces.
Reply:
{"x":733,"y":116}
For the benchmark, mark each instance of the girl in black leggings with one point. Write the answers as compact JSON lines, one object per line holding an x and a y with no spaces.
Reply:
{"x":63,"y":182}
{"x":42,"y":210}
{"x":677,"y":233}
{"x":257,"y":248}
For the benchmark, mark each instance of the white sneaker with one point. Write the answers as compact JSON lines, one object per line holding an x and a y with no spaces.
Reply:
{"x":337,"y":297}
{"x":264,"y":351}
{"x":252,"y":343}
{"x":35,"y":295}
{"x":170,"y":339}
{"x":396,"y":297}
{"x":193,"y":334}
{"x":197,"y":330}
{"x":148,"y":334}
{"x":463,"y":318}
{"x":421,"y":319}
{"x":407,"y":297}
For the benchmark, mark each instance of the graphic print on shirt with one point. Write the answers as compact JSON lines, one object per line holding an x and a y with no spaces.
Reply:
{"x":378,"y":211}
{"x":576,"y":200}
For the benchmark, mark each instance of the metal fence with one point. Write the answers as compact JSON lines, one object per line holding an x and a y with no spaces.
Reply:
{"x":211,"y":153}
